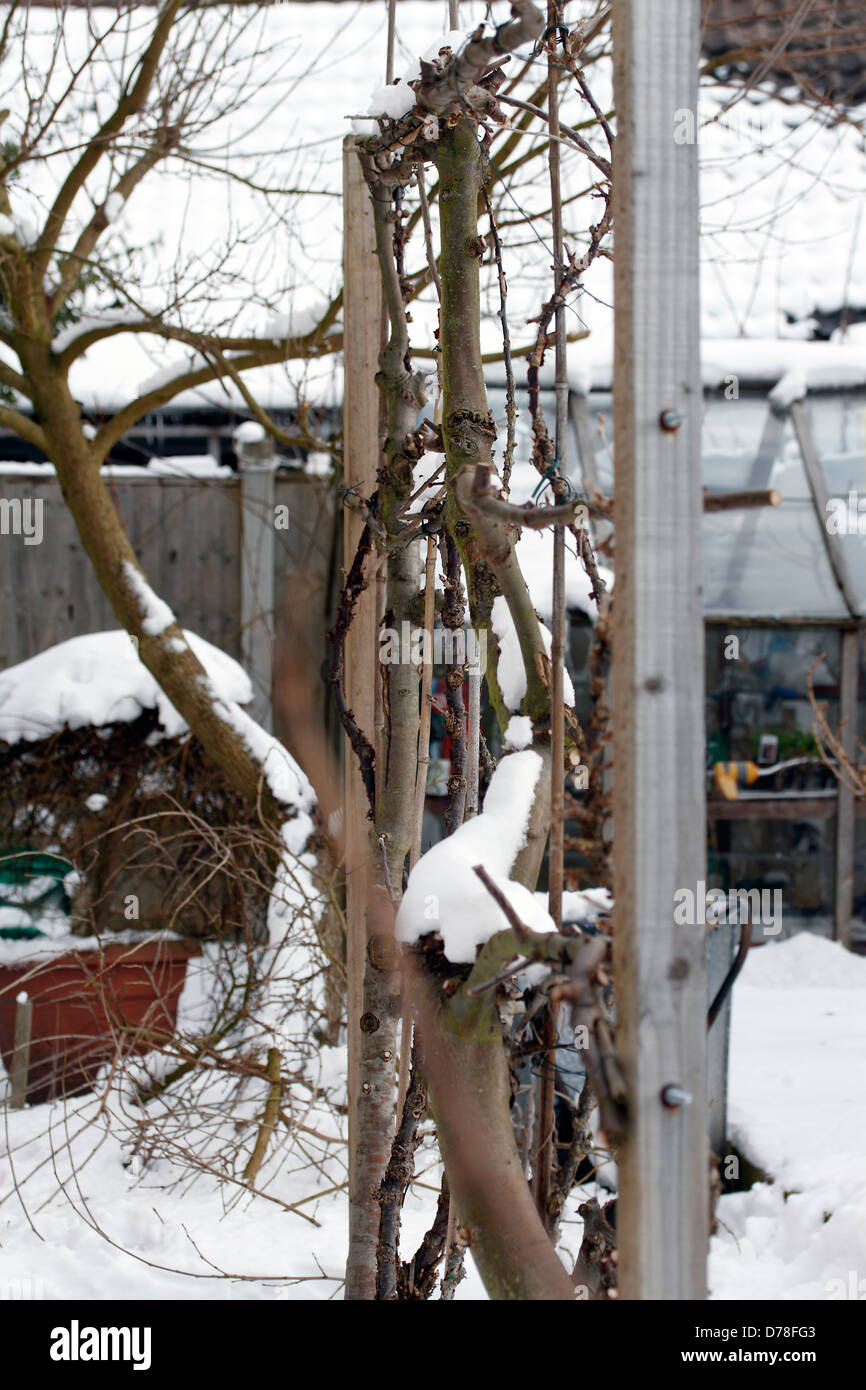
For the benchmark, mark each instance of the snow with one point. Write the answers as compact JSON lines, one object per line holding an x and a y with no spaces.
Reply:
{"x":113,"y":206}
{"x":395,"y":101}
{"x":98,"y":679}
{"x":14,"y":917}
{"x":762,"y":360}
{"x":250,"y":432}
{"x":428,"y":465}
{"x":444,"y":894}
{"x":199,"y":466}
{"x":58,"y":941}
{"x":298,"y":319}
{"x":510,"y":670}
{"x":792,"y":387}
{"x":535,"y":556}
{"x":453,"y":39}
{"x":839,"y":368}
{"x":518,"y":734}
{"x":283,"y":775}
{"x":586,"y":905}
{"x":157,"y":615}
{"x":319,"y":465}
{"x":108,"y":318}
{"x":392,"y":103}
{"x":799,"y":1036}
{"x":797,"y":1109}
{"x":170,"y":371}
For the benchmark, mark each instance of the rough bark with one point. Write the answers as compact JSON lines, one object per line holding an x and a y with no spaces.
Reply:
{"x":467,"y":1073}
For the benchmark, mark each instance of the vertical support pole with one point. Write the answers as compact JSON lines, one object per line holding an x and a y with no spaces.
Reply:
{"x":721,"y":949}
{"x":844,"y":878}
{"x":362,"y":320}
{"x":21,"y":1050}
{"x":255,"y":450}
{"x":658,"y":657}
{"x":556,"y":846}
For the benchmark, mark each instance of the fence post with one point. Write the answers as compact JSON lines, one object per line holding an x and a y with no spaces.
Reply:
{"x":255,"y":451}
{"x":659,"y":842}
{"x":362,"y":320}
{"x":21,"y":1050}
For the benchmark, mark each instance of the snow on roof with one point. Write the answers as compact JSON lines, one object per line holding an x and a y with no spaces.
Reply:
{"x":99,"y":679}
{"x":184,"y":466}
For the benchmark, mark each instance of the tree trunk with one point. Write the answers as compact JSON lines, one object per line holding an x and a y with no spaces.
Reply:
{"x":166,"y":654}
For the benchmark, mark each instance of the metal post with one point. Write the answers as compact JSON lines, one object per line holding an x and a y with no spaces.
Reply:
{"x":658,"y":655}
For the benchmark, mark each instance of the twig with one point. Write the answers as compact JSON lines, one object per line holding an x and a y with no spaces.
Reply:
{"x":520,"y":929}
{"x":269,"y":1120}
{"x":428,"y":231}
{"x":510,"y":405}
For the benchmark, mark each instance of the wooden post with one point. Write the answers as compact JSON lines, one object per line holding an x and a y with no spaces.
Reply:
{"x":21,"y":1052}
{"x":844,"y":876}
{"x":362,"y":319}
{"x":658,"y":654}
{"x":257,"y":465}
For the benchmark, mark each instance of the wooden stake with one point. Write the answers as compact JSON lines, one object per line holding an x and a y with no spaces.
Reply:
{"x":21,"y":1052}
{"x":362,"y":297}
{"x":556,"y":851}
{"x":658,"y":657}
{"x":420,"y":786}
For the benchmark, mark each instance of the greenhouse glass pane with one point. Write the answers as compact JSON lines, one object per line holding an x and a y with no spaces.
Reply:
{"x":756,"y":688}
{"x":731,"y":437}
{"x":769,"y":562}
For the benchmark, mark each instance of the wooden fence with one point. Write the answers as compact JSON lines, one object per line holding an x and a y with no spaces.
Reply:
{"x":198,"y":541}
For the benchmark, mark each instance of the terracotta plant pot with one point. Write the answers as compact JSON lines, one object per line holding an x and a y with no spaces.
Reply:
{"x":90,"y":1005}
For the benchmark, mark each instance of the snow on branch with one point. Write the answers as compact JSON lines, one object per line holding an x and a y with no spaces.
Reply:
{"x":444,"y":893}
{"x":438,"y":89}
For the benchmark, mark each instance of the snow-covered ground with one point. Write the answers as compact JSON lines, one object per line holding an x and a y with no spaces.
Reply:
{"x":797,"y":1107}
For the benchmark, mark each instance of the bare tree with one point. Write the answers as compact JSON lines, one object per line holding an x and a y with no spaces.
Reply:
{"x":135,"y":94}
